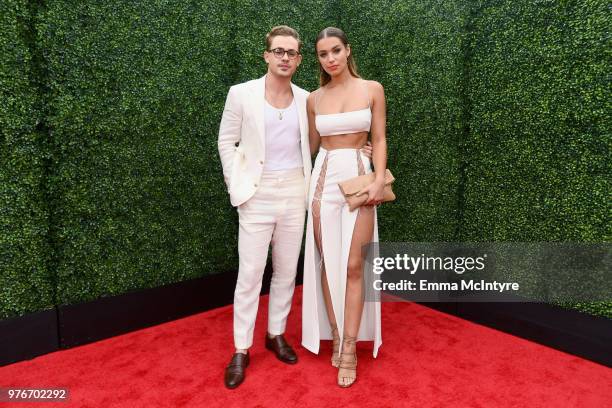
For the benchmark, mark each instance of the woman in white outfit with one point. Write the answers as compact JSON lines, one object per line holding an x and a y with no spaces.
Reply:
{"x":341,"y":114}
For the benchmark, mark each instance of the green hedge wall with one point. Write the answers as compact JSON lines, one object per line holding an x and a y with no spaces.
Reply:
{"x":492,"y":107}
{"x":26,"y":284}
{"x":135,"y":95}
{"x":414,"y":48}
{"x":538,"y":152}
{"x":539,"y":164}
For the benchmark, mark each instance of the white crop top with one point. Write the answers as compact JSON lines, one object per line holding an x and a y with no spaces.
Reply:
{"x":345,"y":122}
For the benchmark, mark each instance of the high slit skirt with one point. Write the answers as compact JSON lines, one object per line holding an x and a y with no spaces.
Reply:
{"x":336,"y":232}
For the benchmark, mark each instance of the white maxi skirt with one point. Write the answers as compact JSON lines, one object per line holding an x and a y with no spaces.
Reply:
{"x":337,"y":223}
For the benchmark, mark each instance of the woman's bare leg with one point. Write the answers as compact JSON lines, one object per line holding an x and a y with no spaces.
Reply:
{"x":362,"y":235}
{"x":318,"y":236}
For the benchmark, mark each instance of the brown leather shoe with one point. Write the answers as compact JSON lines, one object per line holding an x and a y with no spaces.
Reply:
{"x":236,"y":370}
{"x":283,"y":351}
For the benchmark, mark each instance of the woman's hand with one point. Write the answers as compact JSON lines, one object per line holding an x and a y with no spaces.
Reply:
{"x":366,"y":149}
{"x":375,"y":192}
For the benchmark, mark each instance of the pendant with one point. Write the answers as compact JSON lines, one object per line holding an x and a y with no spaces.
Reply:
{"x":280,"y":115}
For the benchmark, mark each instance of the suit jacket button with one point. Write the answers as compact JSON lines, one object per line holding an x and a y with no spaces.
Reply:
{"x":261,"y":162}
{"x":255,"y":184}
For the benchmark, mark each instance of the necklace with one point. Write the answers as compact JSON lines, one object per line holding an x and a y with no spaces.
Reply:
{"x":280,"y":112}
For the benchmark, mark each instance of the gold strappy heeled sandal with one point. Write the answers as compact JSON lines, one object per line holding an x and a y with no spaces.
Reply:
{"x":335,"y":358}
{"x":348,"y":361}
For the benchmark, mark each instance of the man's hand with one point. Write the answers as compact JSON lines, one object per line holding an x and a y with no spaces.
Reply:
{"x":367,"y":150}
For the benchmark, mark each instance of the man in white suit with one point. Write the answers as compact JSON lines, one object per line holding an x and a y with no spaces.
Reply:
{"x":263,"y":144}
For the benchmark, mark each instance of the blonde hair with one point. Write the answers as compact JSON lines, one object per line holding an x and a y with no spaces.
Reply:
{"x":282,"y":30}
{"x":324,"y":77}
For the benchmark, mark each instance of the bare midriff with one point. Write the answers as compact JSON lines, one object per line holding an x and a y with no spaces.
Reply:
{"x":345,"y":141}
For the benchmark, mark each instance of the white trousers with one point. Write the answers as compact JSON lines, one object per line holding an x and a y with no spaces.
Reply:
{"x":275,"y":214}
{"x":336,"y":227}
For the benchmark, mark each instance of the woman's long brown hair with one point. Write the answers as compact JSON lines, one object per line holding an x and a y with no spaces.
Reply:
{"x":324,"y":77}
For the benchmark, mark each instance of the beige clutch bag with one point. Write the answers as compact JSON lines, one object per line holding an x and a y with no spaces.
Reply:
{"x":351,"y":187}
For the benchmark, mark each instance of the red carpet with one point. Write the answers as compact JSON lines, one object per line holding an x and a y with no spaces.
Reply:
{"x":428,"y":359}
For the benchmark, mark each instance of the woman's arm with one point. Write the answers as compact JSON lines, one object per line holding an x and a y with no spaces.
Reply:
{"x":313,"y":135}
{"x":379,"y":143}
{"x":378,"y":129}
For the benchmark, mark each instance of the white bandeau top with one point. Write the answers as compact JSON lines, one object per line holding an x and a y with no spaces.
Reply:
{"x":344,"y":122}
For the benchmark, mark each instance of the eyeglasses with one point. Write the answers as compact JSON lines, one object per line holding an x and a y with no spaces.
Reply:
{"x":280,"y":53}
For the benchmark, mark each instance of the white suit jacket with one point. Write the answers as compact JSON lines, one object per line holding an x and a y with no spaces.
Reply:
{"x":242,"y":138}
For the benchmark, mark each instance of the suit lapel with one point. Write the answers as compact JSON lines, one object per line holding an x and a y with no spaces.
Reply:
{"x":259,"y":98}
{"x":301,"y":107}
{"x":303,"y":117}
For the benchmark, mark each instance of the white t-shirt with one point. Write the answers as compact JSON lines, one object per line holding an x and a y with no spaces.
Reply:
{"x":283,"y":150}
